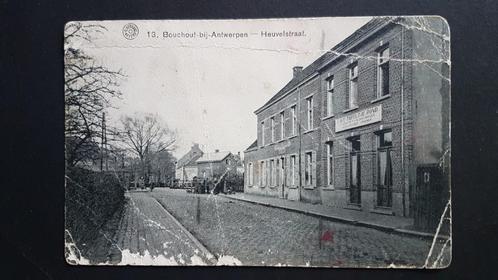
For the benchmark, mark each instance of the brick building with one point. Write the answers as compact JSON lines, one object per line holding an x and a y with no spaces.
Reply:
{"x":354,"y":127}
{"x":215,"y":165}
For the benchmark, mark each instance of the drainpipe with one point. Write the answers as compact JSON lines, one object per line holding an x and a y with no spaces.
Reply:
{"x":403,"y":173}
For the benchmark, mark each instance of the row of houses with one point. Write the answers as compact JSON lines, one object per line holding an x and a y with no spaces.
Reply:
{"x":196,"y":163}
{"x":364,"y":126}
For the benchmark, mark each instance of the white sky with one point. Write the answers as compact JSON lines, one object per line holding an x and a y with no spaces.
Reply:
{"x":208,"y":89}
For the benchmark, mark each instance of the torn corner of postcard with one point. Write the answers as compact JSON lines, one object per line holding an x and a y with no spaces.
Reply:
{"x":321,"y":142}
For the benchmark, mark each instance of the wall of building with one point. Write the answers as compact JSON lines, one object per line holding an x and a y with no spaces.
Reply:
{"x":338,"y":193}
{"x":415,"y":109}
{"x":216,"y":168}
{"x":186,"y":173}
{"x":289,"y":145}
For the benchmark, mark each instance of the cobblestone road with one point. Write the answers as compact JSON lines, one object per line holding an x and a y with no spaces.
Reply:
{"x":146,"y":235}
{"x":260,"y":235}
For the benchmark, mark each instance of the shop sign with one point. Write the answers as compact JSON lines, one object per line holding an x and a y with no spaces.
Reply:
{"x":360,"y":118}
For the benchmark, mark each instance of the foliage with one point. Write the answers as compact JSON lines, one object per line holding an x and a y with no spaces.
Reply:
{"x":91,"y":199}
{"x":88,"y":89}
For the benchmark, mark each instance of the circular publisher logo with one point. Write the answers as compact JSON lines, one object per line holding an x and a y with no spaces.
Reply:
{"x":130,"y":31}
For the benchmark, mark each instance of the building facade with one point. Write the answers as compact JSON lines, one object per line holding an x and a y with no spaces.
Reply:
{"x":353,"y":128}
{"x":215,"y":165}
{"x":186,"y":166}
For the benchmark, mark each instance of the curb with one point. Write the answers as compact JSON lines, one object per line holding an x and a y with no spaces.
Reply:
{"x":383,"y":228}
{"x":210,"y":256}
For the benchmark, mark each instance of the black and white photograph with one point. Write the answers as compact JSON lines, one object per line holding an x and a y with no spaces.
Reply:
{"x":289,"y":142}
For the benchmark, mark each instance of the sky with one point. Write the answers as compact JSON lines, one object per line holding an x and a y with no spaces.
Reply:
{"x":207,"y":89}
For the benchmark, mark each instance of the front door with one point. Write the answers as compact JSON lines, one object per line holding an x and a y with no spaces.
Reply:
{"x":429,"y":200}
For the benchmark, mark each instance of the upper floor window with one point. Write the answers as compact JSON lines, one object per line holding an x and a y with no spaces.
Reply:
{"x":383,"y":72}
{"x":353,"y":86}
{"x":309,"y":112}
{"x":282,"y":125}
{"x":272,"y":127}
{"x":330,"y":96}
{"x":293,"y":120}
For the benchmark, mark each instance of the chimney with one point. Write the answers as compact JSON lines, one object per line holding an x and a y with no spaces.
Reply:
{"x":216,"y":151}
{"x":296,"y":70}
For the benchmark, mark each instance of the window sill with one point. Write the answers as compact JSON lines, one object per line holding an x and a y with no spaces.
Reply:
{"x":380,"y":98}
{"x":328,"y":188}
{"x":350,"y":109}
{"x":308,"y":187}
{"x":352,"y":206}
{"x":292,"y":187}
{"x":281,"y":140}
{"x":290,"y":137}
{"x":309,"y":131}
{"x":328,"y":117}
{"x":383,"y":211}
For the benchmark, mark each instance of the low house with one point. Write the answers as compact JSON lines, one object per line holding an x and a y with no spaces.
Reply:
{"x":215,"y":165}
{"x":186,"y":166}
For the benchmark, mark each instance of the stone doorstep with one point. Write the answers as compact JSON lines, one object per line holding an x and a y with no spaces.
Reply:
{"x":372,"y":225}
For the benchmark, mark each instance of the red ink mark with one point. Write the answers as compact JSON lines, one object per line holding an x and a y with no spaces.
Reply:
{"x":328,"y":236}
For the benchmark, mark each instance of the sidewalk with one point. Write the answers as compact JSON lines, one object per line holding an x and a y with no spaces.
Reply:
{"x":385,"y":223}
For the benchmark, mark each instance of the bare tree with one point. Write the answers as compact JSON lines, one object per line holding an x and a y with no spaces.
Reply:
{"x":88,"y":89}
{"x":146,"y":135}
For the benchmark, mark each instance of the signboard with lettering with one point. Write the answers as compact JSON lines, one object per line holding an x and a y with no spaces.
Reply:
{"x":360,"y":118}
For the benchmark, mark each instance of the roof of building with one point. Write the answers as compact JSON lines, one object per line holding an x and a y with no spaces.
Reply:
{"x":253,"y":145}
{"x":190,"y":157}
{"x":326,"y":58}
{"x":213,"y":157}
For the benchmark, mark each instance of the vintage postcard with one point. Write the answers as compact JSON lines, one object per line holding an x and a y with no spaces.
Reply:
{"x":320,"y":142}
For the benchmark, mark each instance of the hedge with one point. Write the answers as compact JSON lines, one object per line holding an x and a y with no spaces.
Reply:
{"x":91,"y":199}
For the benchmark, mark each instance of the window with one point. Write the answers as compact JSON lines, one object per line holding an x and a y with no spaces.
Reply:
{"x":384,"y":169}
{"x":272,"y":172}
{"x":330,"y":164}
{"x":355,"y":171}
{"x":293,"y":170}
{"x":353,"y":86}
{"x":282,"y":119}
{"x":272,"y":127}
{"x":293,"y":120}
{"x":277,"y":173}
{"x":268,"y":178}
{"x":383,"y":72}
{"x":330,"y":96}
{"x":262,"y":175}
{"x":308,"y":174}
{"x":262,"y":133}
{"x":309,"y":112}
{"x":282,"y":172}
{"x":250,"y":174}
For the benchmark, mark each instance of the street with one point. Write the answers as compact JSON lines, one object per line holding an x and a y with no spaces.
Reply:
{"x":237,"y":232}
